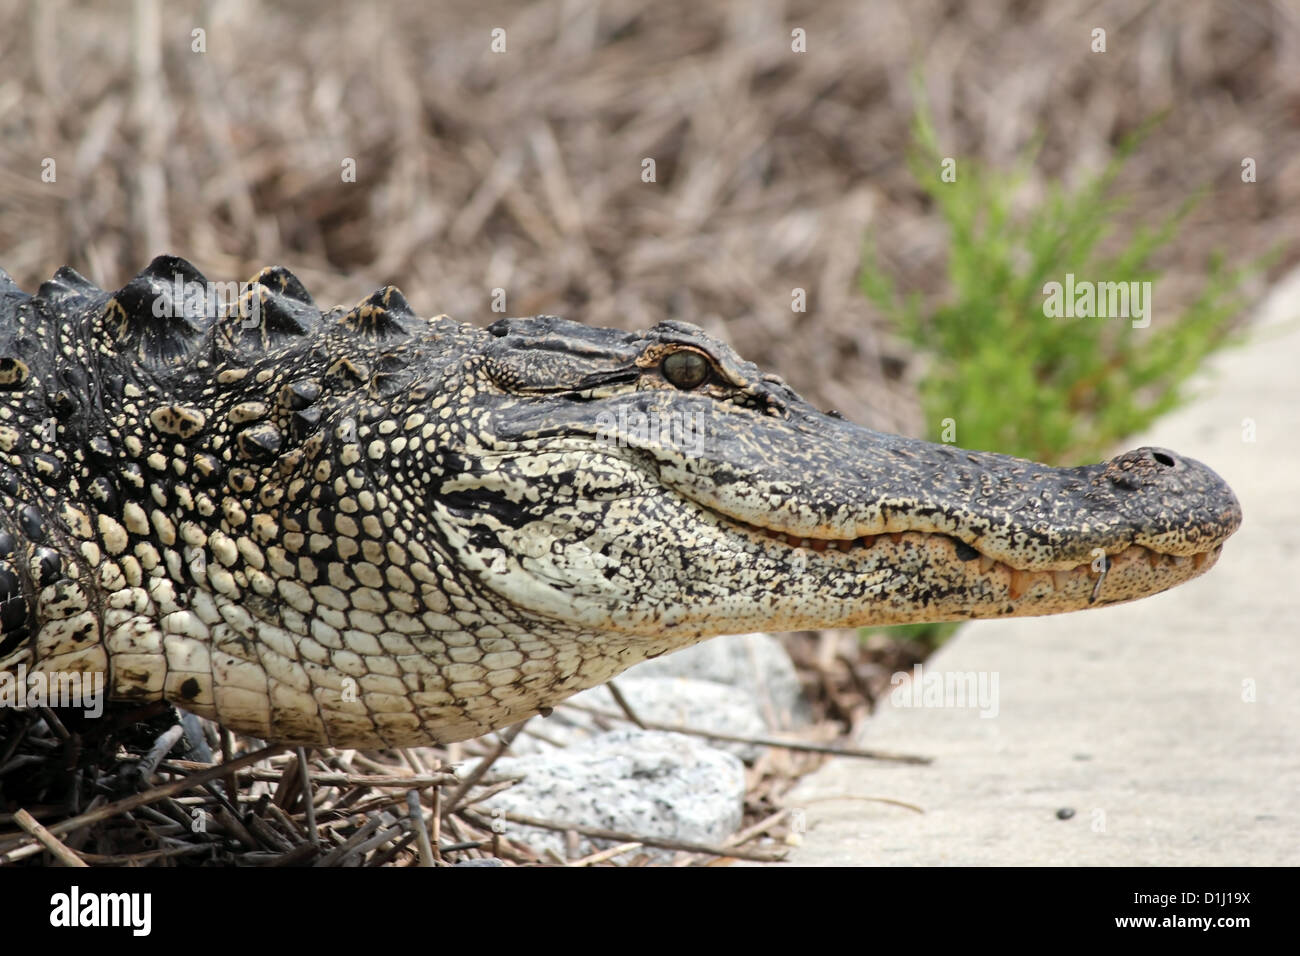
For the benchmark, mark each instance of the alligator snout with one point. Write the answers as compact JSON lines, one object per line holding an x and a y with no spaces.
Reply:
{"x":1175,"y":505}
{"x":1144,"y":466}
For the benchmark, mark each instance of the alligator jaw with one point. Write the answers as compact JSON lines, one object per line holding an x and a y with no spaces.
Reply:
{"x":1142,"y":523}
{"x":995,"y":588}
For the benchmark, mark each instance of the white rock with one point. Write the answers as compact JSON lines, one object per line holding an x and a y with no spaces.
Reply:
{"x":644,"y":782}
{"x":757,"y":663}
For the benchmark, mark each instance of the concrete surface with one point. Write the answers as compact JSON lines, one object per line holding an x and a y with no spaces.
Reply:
{"x":1170,"y":726}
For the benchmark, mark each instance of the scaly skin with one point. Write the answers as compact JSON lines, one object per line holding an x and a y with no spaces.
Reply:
{"x":366,"y":528}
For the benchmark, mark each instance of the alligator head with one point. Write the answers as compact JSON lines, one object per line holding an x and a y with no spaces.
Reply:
{"x":366,"y":528}
{"x":656,"y":484}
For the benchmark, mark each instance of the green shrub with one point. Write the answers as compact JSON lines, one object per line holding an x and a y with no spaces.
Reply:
{"x":1015,"y":379}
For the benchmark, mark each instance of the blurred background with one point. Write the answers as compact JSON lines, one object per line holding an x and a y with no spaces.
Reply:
{"x":522,"y":169}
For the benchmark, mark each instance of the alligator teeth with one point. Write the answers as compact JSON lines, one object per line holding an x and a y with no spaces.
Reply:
{"x":1155,"y":559}
{"x":1061,"y":579}
{"x":820,"y":545}
{"x":1180,"y":560}
{"x":868,"y":540}
{"x":1199,"y":559}
{"x":1020,"y":581}
{"x":986,"y":564}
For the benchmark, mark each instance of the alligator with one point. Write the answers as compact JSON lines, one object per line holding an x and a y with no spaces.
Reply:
{"x":363,"y":528}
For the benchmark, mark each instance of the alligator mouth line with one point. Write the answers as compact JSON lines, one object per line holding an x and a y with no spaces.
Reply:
{"x":1021,"y":579}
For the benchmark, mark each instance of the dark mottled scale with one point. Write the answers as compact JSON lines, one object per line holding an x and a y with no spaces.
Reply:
{"x":7,"y":544}
{"x":323,"y":494}
{"x":392,"y":376}
{"x":384,"y":385}
{"x":208,"y":468}
{"x":384,"y":314}
{"x":13,"y":609}
{"x":304,"y":422}
{"x":46,"y":566}
{"x":260,"y":443}
{"x":62,"y":405}
{"x":298,"y":395}
{"x":101,"y":449}
{"x":103,"y":491}
{"x":162,"y":487}
{"x":29,"y":520}
{"x":132,"y":476}
{"x":68,"y":288}
{"x":345,"y":374}
{"x":8,"y":482}
{"x":275,"y":310}
{"x":11,"y":585}
{"x":46,"y":467}
{"x":155,"y":327}
{"x":324,"y":550}
{"x":281,"y":280}
{"x":14,"y":373}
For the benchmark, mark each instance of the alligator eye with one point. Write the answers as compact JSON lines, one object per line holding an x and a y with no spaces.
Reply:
{"x":685,"y":369}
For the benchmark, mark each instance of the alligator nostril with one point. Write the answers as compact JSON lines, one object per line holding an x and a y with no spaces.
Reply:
{"x":1166,"y":460}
